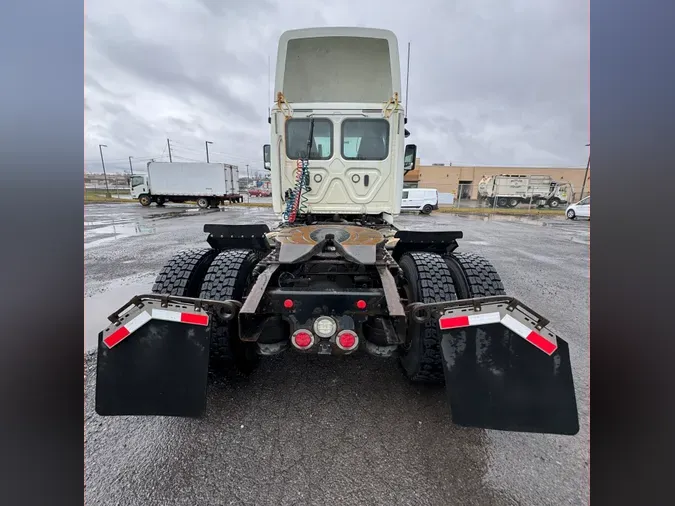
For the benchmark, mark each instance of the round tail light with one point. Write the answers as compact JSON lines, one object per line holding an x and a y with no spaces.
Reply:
{"x":347,"y":340}
{"x":302,"y":339}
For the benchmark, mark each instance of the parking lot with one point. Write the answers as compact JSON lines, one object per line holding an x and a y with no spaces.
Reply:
{"x":322,"y":430}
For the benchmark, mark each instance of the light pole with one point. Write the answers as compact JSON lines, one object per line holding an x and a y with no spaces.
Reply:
{"x":105,"y":178}
{"x":588,"y":164}
{"x":206,"y":143}
{"x":131,"y":166}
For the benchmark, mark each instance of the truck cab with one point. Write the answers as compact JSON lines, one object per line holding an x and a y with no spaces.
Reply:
{"x":138,"y":185}
{"x":343,"y":85}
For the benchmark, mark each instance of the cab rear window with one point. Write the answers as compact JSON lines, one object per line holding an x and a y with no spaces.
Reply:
{"x":365,"y":139}
{"x":297,"y":137}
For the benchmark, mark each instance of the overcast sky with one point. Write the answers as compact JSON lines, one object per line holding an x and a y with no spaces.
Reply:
{"x":492,"y":82}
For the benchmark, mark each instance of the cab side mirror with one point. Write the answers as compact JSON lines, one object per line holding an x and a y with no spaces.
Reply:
{"x":409,"y":158}
{"x":267,"y":158}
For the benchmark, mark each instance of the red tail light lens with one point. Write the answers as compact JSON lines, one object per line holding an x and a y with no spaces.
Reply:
{"x":302,"y":339}
{"x":361,"y":304}
{"x":347,"y":340}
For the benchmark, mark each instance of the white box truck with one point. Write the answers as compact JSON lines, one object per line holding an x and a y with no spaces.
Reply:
{"x":506,"y":190}
{"x":209,"y":184}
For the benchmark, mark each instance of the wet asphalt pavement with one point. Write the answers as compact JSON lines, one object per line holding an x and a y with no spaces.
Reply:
{"x":320,"y":430}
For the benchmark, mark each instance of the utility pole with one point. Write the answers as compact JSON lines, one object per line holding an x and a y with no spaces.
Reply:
{"x":588,"y":164}
{"x":131,"y":167}
{"x":207,"y":150}
{"x":107,"y":190}
{"x":407,"y":80}
{"x":248,"y":183}
{"x":169,"y":144}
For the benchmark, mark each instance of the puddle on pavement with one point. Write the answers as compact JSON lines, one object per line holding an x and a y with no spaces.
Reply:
{"x":103,"y":232}
{"x":98,"y":307}
{"x":532,"y":220}
{"x":190,"y":211}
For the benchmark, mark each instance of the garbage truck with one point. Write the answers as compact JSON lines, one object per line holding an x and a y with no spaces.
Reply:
{"x":336,"y":277}
{"x":509,"y":190}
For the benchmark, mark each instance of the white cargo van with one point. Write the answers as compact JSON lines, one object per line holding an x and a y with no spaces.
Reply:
{"x":424,"y":200}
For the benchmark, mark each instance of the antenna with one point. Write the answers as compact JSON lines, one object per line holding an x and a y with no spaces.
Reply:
{"x":407,"y":80}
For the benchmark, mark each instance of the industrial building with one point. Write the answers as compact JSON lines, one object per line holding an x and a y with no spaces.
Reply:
{"x":462,"y":181}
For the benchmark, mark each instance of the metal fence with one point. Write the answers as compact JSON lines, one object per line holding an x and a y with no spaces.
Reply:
{"x":469,"y":196}
{"x":98,"y":190}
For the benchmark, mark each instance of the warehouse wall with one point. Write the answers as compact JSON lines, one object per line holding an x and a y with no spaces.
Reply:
{"x":446,"y":178}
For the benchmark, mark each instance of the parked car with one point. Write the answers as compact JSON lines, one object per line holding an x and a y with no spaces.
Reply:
{"x":581,"y":209}
{"x":424,"y":200}
{"x":259,"y":192}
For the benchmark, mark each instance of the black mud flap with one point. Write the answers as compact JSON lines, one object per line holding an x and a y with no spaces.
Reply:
{"x":161,"y":368}
{"x":496,"y":379}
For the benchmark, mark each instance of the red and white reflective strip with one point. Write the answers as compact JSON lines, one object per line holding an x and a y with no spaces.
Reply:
{"x":125,"y":331}
{"x":175,"y":316}
{"x":456,"y":322}
{"x":529,"y":335}
{"x":137,"y":322}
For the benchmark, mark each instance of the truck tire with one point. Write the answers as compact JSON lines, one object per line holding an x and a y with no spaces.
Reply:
{"x":427,"y":279}
{"x":228,"y":278}
{"x":502,"y":202}
{"x":427,"y":209}
{"x":554,"y":203}
{"x":145,"y":200}
{"x":183,"y":274}
{"x":203,"y":202}
{"x":513,"y":202}
{"x":474,"y":276}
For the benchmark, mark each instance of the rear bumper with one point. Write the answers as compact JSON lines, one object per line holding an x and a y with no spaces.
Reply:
{"x":349,"y":309}
{"x":503,"y":368}
{"x":282,"y":313}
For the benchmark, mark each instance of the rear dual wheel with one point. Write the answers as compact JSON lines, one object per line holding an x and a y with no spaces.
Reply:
{"x":426,"y":279}
{"x":207,"y":274}
{"x":429,"y":277}
{"x":229,"y":278}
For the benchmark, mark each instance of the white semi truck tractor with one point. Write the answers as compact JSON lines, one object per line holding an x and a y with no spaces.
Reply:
{"x":336,"y":277}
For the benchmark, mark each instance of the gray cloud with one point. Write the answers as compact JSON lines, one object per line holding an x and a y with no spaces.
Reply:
{"x":492,"y":81}
{"x":161,"y":66}
{"x":225,"y":9}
